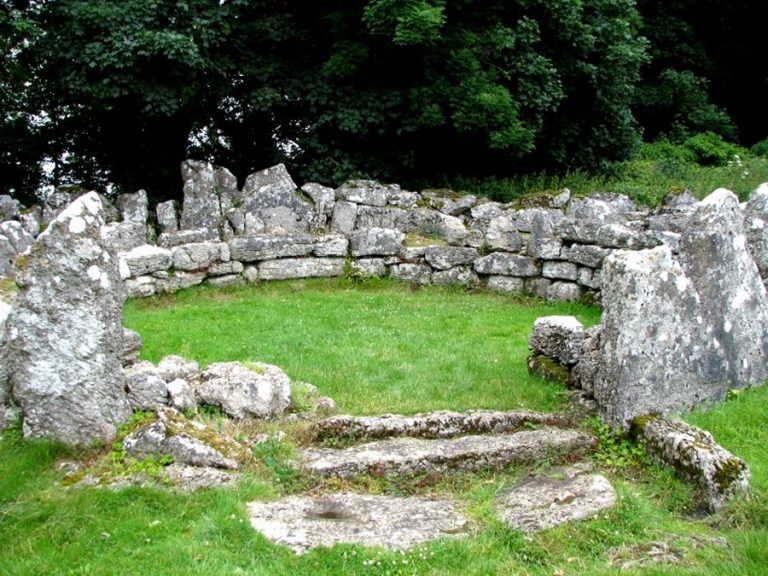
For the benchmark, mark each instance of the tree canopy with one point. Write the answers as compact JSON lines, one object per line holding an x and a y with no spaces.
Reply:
{"x":120,"y":91}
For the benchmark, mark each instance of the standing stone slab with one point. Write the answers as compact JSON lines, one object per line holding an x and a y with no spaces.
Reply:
{"x":756,"y":224}
{"x":167,"y":220}
{"x":201,"y":208}
{"x":715,"y":256}
{"x":65,"y":332}
{"x":659,"y":354}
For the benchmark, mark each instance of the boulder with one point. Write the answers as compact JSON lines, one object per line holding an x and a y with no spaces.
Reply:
{"x":586,"y":255}
{"x":256,"y":389}
{"x":560,"y":270}
{"x":647,"y":365}
{"x":375,"y":217}
{"x":184,"y":441}
{"x":176,"y":367}
{"x":145,"y":388}
{"x":10,"y":208}
{"x":201,"y":207}
{"x":181,"y":395}
{"x":323,"y":198}
{"x":506,"y":284}
{"x":330,"y":245}
{"x":461,"y":275}
{"x":715,"y":256}
{"x":65,"y":332}
{"x":124,"y":236}
{"x":369,"y":267}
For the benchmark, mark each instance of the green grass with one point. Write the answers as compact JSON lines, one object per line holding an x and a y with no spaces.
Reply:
{"x":46,"y":528}
{"x":374,"y":346}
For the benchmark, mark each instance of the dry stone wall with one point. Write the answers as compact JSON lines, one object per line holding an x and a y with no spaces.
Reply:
{"x":551,"y":246}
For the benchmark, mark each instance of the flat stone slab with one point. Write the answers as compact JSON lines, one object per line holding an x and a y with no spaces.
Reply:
{"x":564,"y":495}
{"x":410,"y":456}
{"x":304,"y":522}
{"x":439,"y":424}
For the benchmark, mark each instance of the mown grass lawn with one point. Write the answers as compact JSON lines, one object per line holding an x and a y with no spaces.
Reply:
{"x":375,"y":347}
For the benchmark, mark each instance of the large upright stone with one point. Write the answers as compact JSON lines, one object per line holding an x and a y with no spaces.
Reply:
{"x":658,"y":353}
{"x":65,"y":333}
{"x":715,"y":256}
{"x":756,"y":223}
{"x":271,"y":195}
{"x":201,"y":208}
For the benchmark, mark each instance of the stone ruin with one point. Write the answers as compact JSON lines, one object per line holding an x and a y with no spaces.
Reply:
{"x":678,"y":329}
{"x":685,"y":316}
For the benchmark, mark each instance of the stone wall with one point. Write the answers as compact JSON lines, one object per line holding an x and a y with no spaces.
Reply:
{"x":552,"y":246}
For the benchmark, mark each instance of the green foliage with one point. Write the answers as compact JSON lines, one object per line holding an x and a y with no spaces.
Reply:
{"x":760,"y":148}
{"x":616,"y":450}
{"x":710,"y":149}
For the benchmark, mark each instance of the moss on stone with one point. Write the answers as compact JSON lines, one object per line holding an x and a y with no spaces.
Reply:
{"x":537,"y":199}
{"x":727,"y":473}
{"x":549,"y":369}
{"x":254,"y":367}
{"x":177,"y":425}
{"x":418,"y":241}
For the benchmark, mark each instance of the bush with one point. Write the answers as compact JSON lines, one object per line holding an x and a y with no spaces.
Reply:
{"x":663,"y":150}
{"x":710,"y":149}
{"x":760,"y":149}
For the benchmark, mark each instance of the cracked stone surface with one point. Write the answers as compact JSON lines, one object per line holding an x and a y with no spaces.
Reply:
{"x":563,"y":495}
{"x":304,"y":522}
{"x":408,"y":456}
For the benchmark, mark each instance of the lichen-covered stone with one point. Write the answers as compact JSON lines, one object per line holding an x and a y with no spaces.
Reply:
{"x":440,"y":424}
{"x":167,"y":219}
{"x":191,"y":236}
{"x":648,"y":365}
{"x":134,"y":207}
{"x":124,"y":236}
{"x":410,"y":456}
{"x":715,"y":256}
{"x":199,"y":255}
{"x":258,"y":390}
{"x":756,"y":225}
{"x":181,"y":395}
{"x":305,"y":522}
{"x":559,"y":338}
{"x":506,"y":284}
{"x":145,"y":389}
{"x":584,"y":373}
{"x":201,"y":207}
{"x":460,"y":275}
{"x":540,"y":365}
{"x":174,"y":367}
{"x":386,"y":217}
{"x":502,"y":264}
{"x":143,"y":260}
{"x":587,"y":255}
{"x":550,"y":499}
{"x":179,"y":281}
{"x":301,"y":268}
{"x":330,"y":245}
{"x":375,"y":242}
{"x":695,"y":455}
{"x":269,"y":247}
{"x":542,"y":242}
{"x":19,"y":238}
{"x":368,"y":192}
{"x":185,"y":441}
{"x":556,"y":270}
{"x":344,"y":217}
{"x":369,"y":267}
{"x":564,"y":291}
{"x":413,"y":273}
{"x":65,"y":332}
{"x":445,"y":257}
{"x":131,"y":346}
{"x":502,"y":233}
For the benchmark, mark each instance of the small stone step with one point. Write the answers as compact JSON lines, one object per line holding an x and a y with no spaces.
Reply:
{"x":441,"y":424}
{"x":409,"y":456}
{"x":304,"y":522}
